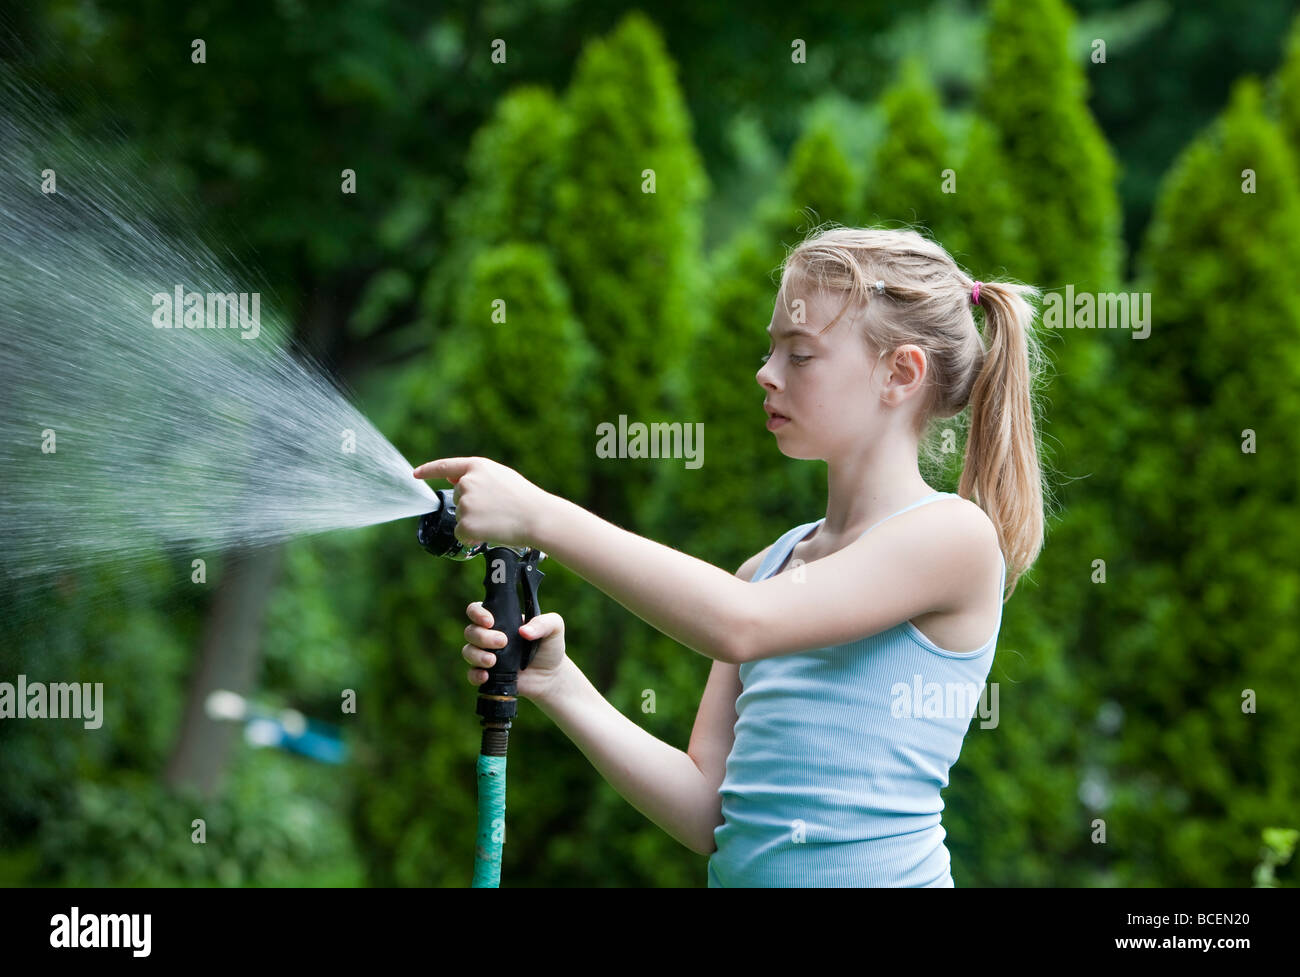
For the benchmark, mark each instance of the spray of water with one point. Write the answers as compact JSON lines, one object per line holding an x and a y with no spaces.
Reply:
{"x":147,"y":396}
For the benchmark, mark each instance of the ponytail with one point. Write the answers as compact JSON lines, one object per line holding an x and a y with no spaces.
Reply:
{"x":1000,"y":469}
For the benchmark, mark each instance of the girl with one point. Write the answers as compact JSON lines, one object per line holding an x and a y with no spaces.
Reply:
{"x":847,"y":656}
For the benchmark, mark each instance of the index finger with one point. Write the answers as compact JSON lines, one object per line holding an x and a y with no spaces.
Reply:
{"x":448,"y":468}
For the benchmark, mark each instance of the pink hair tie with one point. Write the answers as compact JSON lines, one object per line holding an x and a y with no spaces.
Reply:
{"x":975,"y":293}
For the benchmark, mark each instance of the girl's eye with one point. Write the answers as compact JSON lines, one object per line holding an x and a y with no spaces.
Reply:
{"x":800,"y":360}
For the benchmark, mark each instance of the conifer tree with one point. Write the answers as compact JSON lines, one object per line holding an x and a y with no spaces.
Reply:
{"x":907,"y":179}
{"x":1285,"y":89}
{"x":626,"y":232}
{"x":1210,"y":497}
{"x":1062,"y":175}
{"x":1035,"y":94}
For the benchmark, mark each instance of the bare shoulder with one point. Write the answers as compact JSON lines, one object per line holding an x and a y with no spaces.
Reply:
{"x":966,"y":515}
{"x":969,"y":531}
{"x":967,"y":546}
{"x":952,"y":544}
{"x":964,"y":543}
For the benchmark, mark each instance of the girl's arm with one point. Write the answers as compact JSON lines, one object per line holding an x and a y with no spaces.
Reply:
{"x":659,"y":780}
{"x":691,"y":601}
{"x":919,"y":562}
{"x":677,"y":791}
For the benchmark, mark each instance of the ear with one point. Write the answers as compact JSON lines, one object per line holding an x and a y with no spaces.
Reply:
{"x":907,"y":370}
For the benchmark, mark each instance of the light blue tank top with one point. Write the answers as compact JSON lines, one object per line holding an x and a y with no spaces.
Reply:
{"x":840,"y":754}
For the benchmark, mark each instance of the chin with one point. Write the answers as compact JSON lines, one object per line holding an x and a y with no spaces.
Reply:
{"x":798,"y":453}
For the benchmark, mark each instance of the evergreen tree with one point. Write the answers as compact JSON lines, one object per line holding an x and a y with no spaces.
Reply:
{"x":1213,"y":607}
{"x":1063,"y":177}
{"x":906,"y":184}
{"x":1035,"y":94}
{"x":819,"y":184}
{"x":626,"y":234}
{"x":1285,"y":89}
{"x":985,"y":232}
{"x":511,"y":169}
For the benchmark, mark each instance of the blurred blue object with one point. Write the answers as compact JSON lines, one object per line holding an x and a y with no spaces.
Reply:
{"x":287,"y":729}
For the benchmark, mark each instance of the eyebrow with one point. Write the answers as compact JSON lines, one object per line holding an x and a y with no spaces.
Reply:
{"x":792,"y":331}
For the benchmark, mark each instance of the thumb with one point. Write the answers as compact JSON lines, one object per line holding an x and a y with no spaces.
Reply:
{"x":542,"y":626}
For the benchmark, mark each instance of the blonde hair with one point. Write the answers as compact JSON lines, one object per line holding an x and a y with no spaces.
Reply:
{"x":926,"y":301}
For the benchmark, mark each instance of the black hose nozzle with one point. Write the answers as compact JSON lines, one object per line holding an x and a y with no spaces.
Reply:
{"x":437,"y":530}
{"x":507,"y":569}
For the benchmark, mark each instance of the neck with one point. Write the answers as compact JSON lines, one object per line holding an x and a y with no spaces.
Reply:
{"x":874,"y":482}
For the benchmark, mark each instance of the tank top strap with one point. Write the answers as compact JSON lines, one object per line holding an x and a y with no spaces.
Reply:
{"x":781,"y":549}
{"x":908,"y":508}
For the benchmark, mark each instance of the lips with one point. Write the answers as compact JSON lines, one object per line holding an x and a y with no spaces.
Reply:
{"x":775,"y":420}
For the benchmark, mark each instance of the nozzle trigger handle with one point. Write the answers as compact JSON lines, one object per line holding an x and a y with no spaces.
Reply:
{"x":505,"y":566}
{"x":532,"y":608}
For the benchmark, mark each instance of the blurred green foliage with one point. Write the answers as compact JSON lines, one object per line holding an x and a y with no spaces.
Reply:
{"x":503,"y":283}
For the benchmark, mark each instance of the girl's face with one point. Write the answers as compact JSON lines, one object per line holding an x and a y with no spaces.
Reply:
{"x":825,"y":385}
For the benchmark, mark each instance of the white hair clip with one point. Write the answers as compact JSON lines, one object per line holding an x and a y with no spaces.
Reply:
{"x":880,"y":288}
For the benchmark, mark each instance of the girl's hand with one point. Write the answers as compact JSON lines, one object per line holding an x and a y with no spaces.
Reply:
{"x":493,"y":503}
{"x":540,"y":675}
